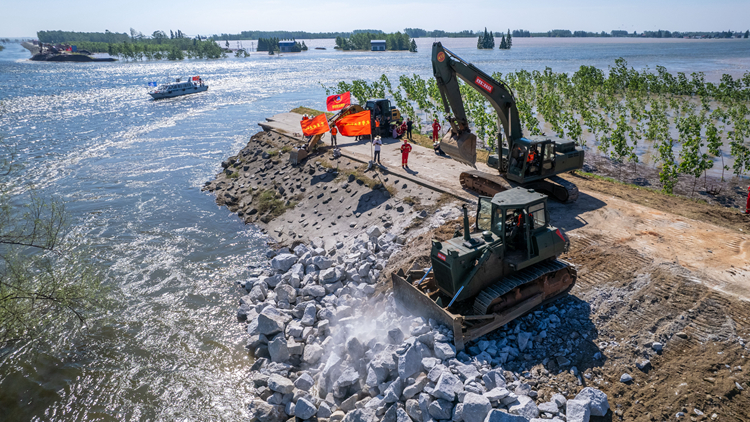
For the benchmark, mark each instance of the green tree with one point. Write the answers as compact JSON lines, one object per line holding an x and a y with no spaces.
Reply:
{"x":46,"y":284}
{"x":486,"y":40}
{"x":413,"y":46}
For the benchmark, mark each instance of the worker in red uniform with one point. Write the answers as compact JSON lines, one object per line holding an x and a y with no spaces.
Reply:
{"x":435,"y":130}
{"x":405,"y":150}
{"x":747,"y":206}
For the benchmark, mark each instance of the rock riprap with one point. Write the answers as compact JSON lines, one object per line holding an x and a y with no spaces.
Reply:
{"x":330,"y":347}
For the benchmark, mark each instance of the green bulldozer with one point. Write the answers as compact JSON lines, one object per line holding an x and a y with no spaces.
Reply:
{"x":508,"y":266}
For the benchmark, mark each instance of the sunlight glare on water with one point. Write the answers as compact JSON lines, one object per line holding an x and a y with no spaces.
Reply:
{"x":130,"y":170}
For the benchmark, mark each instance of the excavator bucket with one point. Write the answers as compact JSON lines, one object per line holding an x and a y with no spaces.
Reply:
{"x":462,"y":149}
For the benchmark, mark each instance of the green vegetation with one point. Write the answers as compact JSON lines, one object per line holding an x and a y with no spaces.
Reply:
{"x":47,"y":284}
{"x":361,"y":41}
{"x":688,"y":123}
{"x":137,"y":46}
{"x":486,"y":40}
{"x":311,"y":111}
{"x":268,"y":203}
{"x":520,"y":33}
{"x":507,"y":41}
{"x":421,"y":33}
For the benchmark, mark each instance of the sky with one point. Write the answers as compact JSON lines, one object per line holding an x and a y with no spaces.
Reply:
{"x":23,"y":18}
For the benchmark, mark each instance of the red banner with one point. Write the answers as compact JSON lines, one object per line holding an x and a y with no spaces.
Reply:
{"x":356,"y":124}
{"x":338,"y":101}
{"x":315,"y":126}
{"x":196,"y":78}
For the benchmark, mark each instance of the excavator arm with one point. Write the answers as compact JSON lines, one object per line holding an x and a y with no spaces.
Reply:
{"x":447,"y":68}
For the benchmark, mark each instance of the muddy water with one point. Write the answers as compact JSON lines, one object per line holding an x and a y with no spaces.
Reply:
{"x":130,"y":170}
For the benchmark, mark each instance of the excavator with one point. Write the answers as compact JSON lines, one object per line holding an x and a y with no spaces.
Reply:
{"x":531,"y":162}
{"x":510,"y":264}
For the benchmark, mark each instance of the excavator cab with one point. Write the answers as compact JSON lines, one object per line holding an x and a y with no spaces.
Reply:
{"x":532,"y":160}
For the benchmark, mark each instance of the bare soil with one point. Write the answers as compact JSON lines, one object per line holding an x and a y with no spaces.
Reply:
{"x":652,"y":268}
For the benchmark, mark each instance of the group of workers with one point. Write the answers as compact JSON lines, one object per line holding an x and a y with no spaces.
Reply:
{"x":404,"y":129}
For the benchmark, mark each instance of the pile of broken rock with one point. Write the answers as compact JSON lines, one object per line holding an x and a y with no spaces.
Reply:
{"x":330,"y":347}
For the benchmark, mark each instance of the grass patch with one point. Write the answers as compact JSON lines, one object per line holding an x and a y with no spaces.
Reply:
{"x":411,"y":200}
{"x":267,"y":202}
{"x":285,"y":149}
{"x":234,"y":175}
{"x":272,"y":152}
{"x":311,"y":111}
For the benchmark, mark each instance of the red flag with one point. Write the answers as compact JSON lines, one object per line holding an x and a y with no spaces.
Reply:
{"x":315,"y":126}
{"x":356,"y":124}
{"x":195,"y":78}
{"x":338,"y":101}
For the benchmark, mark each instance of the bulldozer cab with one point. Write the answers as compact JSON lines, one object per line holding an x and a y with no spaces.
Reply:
{"x":514,"y":216}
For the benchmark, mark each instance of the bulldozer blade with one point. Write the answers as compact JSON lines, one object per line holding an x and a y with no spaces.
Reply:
{"x":413,"y":300}
{"x":462,"y":149}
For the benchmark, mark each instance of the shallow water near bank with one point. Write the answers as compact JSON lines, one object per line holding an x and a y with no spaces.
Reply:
{"x":130,"y":170}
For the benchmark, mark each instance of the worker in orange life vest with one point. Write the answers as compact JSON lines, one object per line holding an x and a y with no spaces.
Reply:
{"x":405,"y":150}
{"x":334,"y":132}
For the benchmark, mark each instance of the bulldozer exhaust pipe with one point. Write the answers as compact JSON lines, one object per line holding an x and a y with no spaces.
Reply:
{"x":467,"y":235}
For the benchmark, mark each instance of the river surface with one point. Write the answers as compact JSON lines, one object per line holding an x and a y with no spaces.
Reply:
{"x":130,"y":170}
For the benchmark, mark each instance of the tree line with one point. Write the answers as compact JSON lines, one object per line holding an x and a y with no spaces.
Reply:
{"x":689,"y":125}
{"x":522,"y":33}
{"x":361,"y":41}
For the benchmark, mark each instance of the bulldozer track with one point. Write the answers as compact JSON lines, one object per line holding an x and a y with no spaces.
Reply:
{"x":487,"y":296}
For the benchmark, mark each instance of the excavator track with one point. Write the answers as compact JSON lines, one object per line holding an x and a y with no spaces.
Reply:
{"x":550,"y":278}
{"x":486,"y":184}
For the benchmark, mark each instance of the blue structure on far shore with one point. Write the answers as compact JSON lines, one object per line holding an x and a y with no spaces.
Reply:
{"x":286,"y":46}
{"x":377,"y":45}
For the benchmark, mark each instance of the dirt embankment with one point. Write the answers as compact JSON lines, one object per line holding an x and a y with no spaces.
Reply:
{"x":333,"y":199}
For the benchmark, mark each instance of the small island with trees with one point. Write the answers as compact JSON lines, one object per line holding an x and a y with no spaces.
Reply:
{"x":486,"y":41}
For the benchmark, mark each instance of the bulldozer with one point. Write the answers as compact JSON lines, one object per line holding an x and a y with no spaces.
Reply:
{"x":532,"y":162}
{"x":507,"y":267}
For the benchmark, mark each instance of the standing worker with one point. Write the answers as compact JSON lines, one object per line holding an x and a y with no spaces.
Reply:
{"x":377,"y":126}
{"x":435,"y":130}
{"x":409,"y":125}
{"x":334,"y":132}
{"x":747,"y":206}
{"x":377,"y":143}
{"x":405,"y":150}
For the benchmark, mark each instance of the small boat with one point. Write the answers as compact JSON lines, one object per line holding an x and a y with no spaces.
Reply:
{"x":178,"y":87}
{"x":320,"y":48}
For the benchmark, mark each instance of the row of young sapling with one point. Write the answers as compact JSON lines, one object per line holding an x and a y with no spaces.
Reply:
{"x":686,"y":124}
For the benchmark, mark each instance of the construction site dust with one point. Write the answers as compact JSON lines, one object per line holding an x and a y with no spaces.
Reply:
{"x":429,"y":292}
